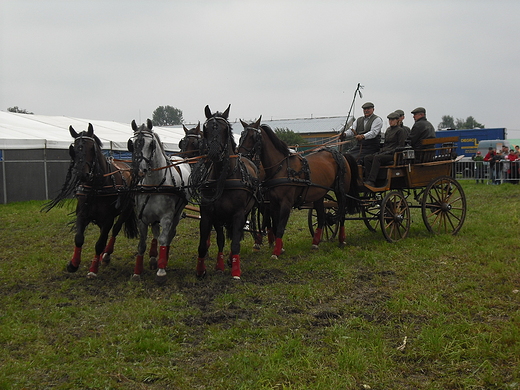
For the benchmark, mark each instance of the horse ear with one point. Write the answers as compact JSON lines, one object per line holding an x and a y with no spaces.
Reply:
{"x":257,"y":123}
{"x":149,"y":124}
{"x":225,"y":114}
{"x":73,"y":132}
{"x":197,"y":129}
{"x":90,"y":131}
{"x":207,"y":112}
{"x":130,"y":146}
{"x":185,"y":129}
{"x":134,"y":125}
{"x":244,"y":124}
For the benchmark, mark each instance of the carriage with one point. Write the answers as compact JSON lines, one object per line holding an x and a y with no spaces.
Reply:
{"x":417,"y":179}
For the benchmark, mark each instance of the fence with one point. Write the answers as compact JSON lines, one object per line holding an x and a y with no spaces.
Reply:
{"x":481,"y":171}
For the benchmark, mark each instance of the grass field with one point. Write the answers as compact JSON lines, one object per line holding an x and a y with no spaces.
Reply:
{"x":428,"y":312}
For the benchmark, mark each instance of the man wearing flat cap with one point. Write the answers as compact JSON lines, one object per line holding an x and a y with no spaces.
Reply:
{"x":422,"y":129}
{"x":395,"y":137}
{"x":401,"y":120}
{"x":367,"y":131}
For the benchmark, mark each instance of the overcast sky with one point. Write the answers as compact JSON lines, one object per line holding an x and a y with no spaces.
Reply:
{"x":121,"y":59}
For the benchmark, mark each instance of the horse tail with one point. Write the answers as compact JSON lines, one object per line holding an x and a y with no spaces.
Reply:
{"x":353,"y":189}
{"x":130,"y":226}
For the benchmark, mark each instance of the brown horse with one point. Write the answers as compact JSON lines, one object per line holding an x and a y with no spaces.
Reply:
{"x":190,"y":145}
{"x":292,"y":180}
{"x":225,"y":186}
{"x":102,"y":190}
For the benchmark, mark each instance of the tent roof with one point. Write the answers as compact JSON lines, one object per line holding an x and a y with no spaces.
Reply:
{"x":27,"y":131}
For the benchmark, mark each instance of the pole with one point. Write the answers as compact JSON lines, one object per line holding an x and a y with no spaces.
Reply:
{"x":359,"y":87}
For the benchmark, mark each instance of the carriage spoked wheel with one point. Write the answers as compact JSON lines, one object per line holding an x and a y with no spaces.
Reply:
{"x":331,"y":227}
{"x":444,"y":206}
{"x":394,"y":216}
{"x":370,"y":210}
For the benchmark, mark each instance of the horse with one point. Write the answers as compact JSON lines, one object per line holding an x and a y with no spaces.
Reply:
{"x":190,"y":145}
{"x":225,"y":186}
{"x":101,"y":187}
{"x":292,"y":180}
{"x":161,"y":192}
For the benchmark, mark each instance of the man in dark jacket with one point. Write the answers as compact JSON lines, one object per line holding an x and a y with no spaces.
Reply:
{"x":422,"y":129}
{"x":395,"y":137}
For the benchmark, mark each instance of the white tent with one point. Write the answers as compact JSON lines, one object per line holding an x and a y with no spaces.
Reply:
{"x":25,"y":131}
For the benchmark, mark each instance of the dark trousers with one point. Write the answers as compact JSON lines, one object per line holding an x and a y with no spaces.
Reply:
{"x":364,"y":149}
{"x":372,"y":164}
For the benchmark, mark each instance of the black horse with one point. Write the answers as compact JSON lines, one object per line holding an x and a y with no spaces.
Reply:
{"x":102,"y":191}
{"x":225,"y":185}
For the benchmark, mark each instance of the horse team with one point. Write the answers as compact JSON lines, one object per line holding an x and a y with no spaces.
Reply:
{"x":227,"y":181}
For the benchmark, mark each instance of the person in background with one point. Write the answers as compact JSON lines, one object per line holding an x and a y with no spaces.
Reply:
{"x":491,"y":159}
{"x":367,"y":131}
{"x":512,"y":173}
{"x":479,"y":167}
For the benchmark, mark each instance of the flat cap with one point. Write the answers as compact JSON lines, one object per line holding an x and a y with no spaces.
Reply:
{"x":400,"y":112}
{"x":393,"y":115}
{"x":367,"y":105}
{"x":418,"y":110}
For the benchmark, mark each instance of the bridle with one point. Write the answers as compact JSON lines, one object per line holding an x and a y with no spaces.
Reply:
{"x":137,"y":153}
{"x":80,"y":158}
{"x":216,"y":149}
{"x":253,"y":153}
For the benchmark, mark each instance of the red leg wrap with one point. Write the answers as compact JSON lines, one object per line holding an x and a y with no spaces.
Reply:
{"x":220,"y":262}
{"x":94,"y":266}
{"x":163,"y":256}
{"x":153,"y":248}
{"x":317,"y":236}
{"x":76,"y":257}
{"x":278,"y":245}
{"x":138,"y":270}
{"x":201,"y":267}
{"x":235,"y":266}
{"x":110,"y":246}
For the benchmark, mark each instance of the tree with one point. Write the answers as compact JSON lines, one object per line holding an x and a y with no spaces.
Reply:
{"x":469,"y":123}
{"x":167,"y":116}
{"x":19,"y":110}
{"x":289,"y":137}
{"x":448,"y":122}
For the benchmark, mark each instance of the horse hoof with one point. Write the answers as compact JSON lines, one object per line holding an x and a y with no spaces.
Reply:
{"x":105,"y":258}
{"x":236,"y":277}
{"x":71,"y":267}
{"x":342,"y":244}
{"x":160,"y":279}
{"x":274,"y":257}
{"x":153,"y":263}
{"x":91,"y":275}
{"x":314,"y":247}
{"x":202,"y":275}
{"x":136,"y":278}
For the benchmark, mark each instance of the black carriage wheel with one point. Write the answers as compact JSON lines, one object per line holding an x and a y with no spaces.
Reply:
{"x":394,"y":217}
{"x":370,"y":211}
{"x":444,"y":206}
{"x":331,"y":227}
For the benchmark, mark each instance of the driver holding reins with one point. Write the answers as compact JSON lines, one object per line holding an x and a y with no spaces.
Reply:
{"x":367,"y":131}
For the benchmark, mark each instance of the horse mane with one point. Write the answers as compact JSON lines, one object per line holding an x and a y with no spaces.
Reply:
{"x":71,"y":180}
{"x":279,"y":145}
